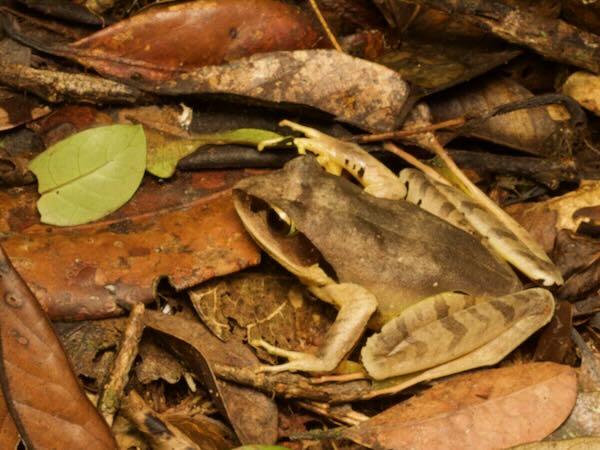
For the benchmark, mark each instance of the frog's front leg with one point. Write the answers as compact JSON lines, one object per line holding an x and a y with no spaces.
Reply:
{"x":356,"y":305}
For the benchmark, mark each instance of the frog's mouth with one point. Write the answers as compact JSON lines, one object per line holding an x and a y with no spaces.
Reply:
{"x":293,"y":250}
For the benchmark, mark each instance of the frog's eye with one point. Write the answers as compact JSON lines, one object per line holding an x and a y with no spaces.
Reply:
{"x":280,"y":222}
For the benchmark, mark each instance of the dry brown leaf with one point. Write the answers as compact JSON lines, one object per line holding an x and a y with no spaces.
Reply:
{"x":578,"y":258}
{"x":252,"y":414}
{"x":433,"y":66}
{"x":530,"y":130}
{"x":566,"y":212}
{"x":493,"y":408}
{"x":194,"y":34}
{"x":44,"y":395}
{"x":271,"y":306}
{"x":209,"y":433}
{"x":582,"y":443}
{"x":555,"y":343}
{"x":157,"y":363}
{"x":353,"y":90}
{"x":178,"y":230}
{"x":17,"y":109}
{"x":584,"y":87}
{"x":9,"y":436}
{"x":161,"y":434}
{"x":91,"y":345}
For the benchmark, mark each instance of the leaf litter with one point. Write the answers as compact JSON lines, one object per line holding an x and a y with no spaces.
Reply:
{"x":161,"y":233}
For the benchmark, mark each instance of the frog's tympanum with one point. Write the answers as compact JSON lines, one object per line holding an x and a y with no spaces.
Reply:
{"x":438,"y":295}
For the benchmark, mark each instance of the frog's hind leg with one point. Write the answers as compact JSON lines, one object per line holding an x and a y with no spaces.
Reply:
{"x":356,"y":305}
{"x":451,"y":332}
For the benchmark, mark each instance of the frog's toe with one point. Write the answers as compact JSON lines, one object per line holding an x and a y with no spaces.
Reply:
{"x":309,"y":363}
{"x":277,"y":351}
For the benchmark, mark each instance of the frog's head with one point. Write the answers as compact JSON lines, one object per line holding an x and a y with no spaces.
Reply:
{"x":274,"y":209}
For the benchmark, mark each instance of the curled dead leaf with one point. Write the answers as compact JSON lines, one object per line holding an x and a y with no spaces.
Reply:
{"x":194,"y":34}
{"x":353,"y":90}
{"x":46,"y":400}
{"x":530,"y":130}
{"x":488,"y":409}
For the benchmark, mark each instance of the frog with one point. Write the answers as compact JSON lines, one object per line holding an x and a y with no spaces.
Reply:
{"x":437,"y":296}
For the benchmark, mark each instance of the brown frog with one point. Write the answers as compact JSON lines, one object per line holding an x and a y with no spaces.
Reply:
{"x":440,"y":297}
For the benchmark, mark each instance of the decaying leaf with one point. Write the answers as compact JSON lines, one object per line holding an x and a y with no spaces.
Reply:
{"x":578,"y":257}
{"x":433,"y":66}
{"x":46,"y":400}
{"x":530,"y":130}
{"x":90,"y":174}
{"x":566,"y":212}
{"x":9,"y":436}
{"x":493,"y":408}
{"x":555,"y":343}
{"x":16,"y":109}
{"x":194,"y":34}
{"x":91,"y":346}
{"x":252,"y":414}
{"x":157,"y":363}
{"x":68,"y":120}
{"x":209,"y":433}
{"x":353,"y":90}
{"x":165,"y":152}
{"x":582,"y":443}
{"x":584,"y":420}
{"x":161,"y":434}
{"x":270,"y":306}
{"x":186,"y":231}
{"x":584,"y":87}
{"x":14,"y":171}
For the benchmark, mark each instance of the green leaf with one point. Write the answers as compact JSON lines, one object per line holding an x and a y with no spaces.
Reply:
{"x":163,"y":154}
{"x":90,"y":174}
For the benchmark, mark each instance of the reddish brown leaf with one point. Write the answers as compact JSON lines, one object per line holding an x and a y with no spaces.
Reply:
{"x":9,"y":436}
{"x":16,"y":109}
{"x":42,"y":392}
{"x":495,"y":408}
{"x":165,"y":39}
{"x":175,"y":230}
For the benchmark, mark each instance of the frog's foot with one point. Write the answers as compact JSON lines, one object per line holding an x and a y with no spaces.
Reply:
{"x":298,"y":361}
{"x":277,"y":351}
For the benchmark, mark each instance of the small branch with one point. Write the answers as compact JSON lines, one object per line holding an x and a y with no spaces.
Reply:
{"x":325,"y":25}
{"x":56,"y":87}
{"x":111,"y":395}
{"x":291,"y":385}
{"x":459,"y":121}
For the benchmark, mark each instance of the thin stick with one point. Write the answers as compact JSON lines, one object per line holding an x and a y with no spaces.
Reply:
{"x":325,"y":25}
{"x":111,"y":395}
{"x":451,"y":123}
